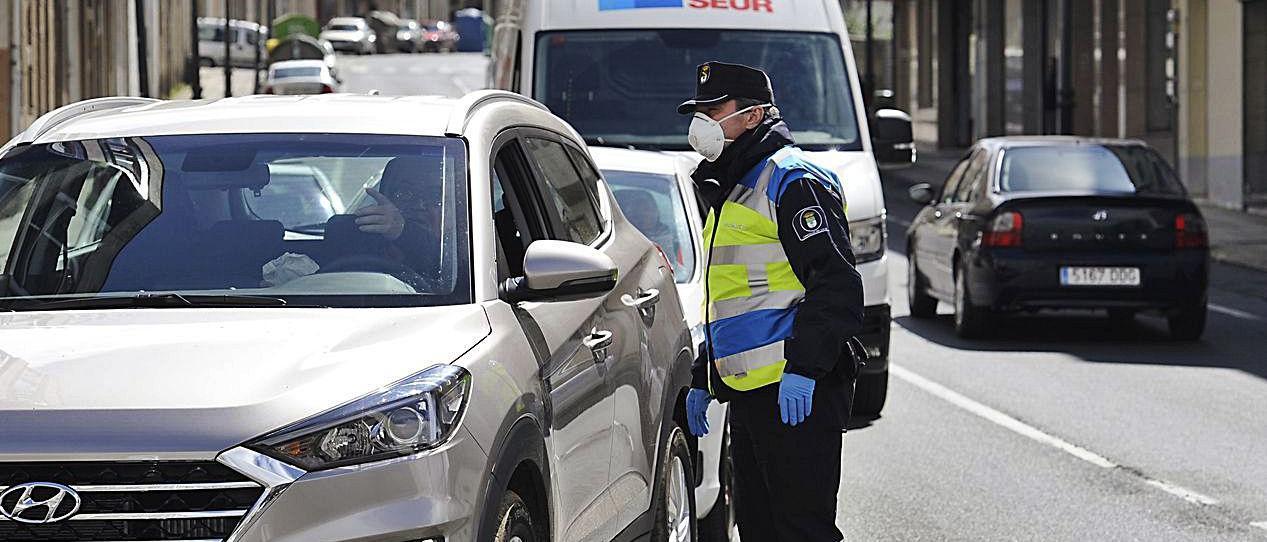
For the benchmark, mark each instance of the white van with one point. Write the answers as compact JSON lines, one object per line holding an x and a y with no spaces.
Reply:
{"x":617,"y":69}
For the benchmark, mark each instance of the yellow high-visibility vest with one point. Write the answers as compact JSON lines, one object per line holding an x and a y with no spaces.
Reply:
{"x":752,"y":291}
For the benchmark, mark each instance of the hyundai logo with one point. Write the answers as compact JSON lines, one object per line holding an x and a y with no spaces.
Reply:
{"x":1100,"y":216}
{"x":39,"y":502}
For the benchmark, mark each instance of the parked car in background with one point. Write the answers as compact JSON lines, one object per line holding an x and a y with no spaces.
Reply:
{"x":350,"y":34}
{"x":509,"y":366}
{"x":300,"y":77}
{"x":244,"y":38}
{"x":439,"y":37}
{"x":305,"y":47}
{"x":1030,"y":223}
{"x":655,"y":192}
{"x":409,"y":36}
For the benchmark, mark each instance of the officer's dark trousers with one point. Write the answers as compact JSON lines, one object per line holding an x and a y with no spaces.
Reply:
{"x":786,"y":478}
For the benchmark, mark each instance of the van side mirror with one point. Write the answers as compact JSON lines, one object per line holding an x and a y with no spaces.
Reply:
{"x":893,"y":139}
{"x":562,"y":271}
{"x":921,"y":193}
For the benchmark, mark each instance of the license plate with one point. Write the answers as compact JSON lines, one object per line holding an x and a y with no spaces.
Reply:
{"x":1099,"y":276}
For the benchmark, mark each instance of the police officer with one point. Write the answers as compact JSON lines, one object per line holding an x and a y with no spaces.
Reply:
{"x":784,"y":300}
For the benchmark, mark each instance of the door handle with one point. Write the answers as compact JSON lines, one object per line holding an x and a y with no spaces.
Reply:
{"x":598,"y":341}
{"x":646,"y":299}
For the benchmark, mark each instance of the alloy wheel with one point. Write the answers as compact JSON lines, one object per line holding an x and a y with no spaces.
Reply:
{"x":679,"y":506}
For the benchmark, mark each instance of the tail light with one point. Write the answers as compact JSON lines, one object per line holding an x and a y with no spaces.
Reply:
{"x":268,"y":90}
{"x":1004,"y":230}
{"x":327,"y":89}
{"x":1190,"y":231}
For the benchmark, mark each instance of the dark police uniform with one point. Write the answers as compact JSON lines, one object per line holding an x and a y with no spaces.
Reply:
{"x":784,"y":298}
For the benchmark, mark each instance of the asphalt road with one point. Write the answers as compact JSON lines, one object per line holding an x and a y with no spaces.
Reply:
{"x":446,"y":74}
{"x":1061,"y":428}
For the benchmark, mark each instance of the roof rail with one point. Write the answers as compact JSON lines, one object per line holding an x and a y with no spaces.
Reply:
{"x":48,"y":121}
{"x":467,"y":105}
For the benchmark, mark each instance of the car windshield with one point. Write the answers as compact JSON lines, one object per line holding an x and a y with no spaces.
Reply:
{"x":282,"y":73}
{"x":342,"y":27}
{"x":250,"y":214}
{"x":623,"y":87}
{"x":1099,"y":168}
{"x":654,"y":205}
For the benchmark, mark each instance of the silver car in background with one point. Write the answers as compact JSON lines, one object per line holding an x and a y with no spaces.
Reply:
{"x":350,"y":34}
{"x":655,"y":192}
{"x":244,"y":38}
{"x":198,"y":341}
{"x":300,"y":77}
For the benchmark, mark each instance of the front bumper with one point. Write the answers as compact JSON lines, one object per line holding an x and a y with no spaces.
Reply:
{"x":432,"y":495}
{"x":1011,"y":280}
{"x":876,"y":321}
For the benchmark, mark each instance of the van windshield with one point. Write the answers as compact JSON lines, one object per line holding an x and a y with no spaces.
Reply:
{"x":341,"y":220}
{"x":622,"y":87}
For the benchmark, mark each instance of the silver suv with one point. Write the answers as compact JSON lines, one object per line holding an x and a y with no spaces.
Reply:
{"x":193,"y":346}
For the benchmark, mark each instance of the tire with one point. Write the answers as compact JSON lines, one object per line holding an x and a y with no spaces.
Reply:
{"x":717,"y":525}
{"x":870,"y":393}
{"x":922,"y":304}
{"x":1188,"y":322}
{"x":673,"y":507}
{"x":206,"y":62}
{"x":514,"y":521}
{"x":971,"y":321}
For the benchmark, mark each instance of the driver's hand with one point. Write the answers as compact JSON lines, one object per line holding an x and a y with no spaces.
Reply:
{"x":384,"y":218}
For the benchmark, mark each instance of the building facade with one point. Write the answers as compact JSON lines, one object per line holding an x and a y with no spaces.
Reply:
{"x":53,"y":53}
{"x":1187,"y":76}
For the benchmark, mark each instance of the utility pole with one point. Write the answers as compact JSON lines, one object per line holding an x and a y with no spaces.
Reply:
{"x":228,"y":52}
{"x":195,"y":60}
{"x":259,"y":46}
{"x":142,"y":50}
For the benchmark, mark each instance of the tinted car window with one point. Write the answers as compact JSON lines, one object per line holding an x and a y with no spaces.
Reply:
{"x":1087,"y":167}
{"x":655,"y":206}
{"x":565,"y":190}
{"x":977,"y":171}
{"x":952,"y":181}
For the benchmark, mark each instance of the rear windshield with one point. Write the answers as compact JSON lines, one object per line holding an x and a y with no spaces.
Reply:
{"x":1097,"y":168}
{"x":342,"y":27}
{"x":282,"y":73}
{"x":623,"y":86}
{"x":655,"y":206}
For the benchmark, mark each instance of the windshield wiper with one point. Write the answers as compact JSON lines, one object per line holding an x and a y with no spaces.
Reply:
{"x":156,"y":301}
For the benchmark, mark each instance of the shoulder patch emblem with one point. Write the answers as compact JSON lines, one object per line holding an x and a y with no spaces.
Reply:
{"x":809,"y":222}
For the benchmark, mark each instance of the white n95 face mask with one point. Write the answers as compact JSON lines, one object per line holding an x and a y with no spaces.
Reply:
{"x":706,"y":135}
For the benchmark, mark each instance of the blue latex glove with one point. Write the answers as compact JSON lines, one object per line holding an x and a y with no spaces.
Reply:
{"x":796,"y":397}
{"x":697,"y":401}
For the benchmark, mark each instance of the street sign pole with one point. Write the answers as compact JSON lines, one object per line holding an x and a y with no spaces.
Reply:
{"x":195,"y":60}
{"x":228,"y":53}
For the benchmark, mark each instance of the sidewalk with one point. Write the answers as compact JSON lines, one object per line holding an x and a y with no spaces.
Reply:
{"x":213,"y":84}
{"x":1235,"y":237}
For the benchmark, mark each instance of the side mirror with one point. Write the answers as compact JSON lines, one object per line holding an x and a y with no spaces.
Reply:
{"x":562,"y":271}
{"x":892,"y":139}
{"x":921,"y":193}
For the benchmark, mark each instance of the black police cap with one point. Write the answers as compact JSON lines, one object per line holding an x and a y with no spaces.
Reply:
{"x":716,"y":82}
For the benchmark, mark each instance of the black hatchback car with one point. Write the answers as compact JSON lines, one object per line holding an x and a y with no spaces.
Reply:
{"x":1029,"y":223}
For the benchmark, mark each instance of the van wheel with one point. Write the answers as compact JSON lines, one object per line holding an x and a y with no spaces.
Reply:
{"x":1188,"y":322}
{"x":674,"y":503}
{"x":922,"y":304}
{"x":206,"y":62}
{"x":971,"y":321}
{"x":514,"y":521}
{"x":716,"y":526}
{"x":870,"y":392}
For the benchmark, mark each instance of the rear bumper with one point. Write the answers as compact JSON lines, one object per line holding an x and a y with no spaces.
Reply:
{"x":875,"y":336}
{"x":1010,"y":280}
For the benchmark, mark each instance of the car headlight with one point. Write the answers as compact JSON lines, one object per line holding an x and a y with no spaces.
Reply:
{"x":402,"y":35}
{"x":415,"y":414}
{"x":867,"y":238}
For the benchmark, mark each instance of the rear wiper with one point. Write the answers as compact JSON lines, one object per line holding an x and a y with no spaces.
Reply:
{"x":157,"y":301}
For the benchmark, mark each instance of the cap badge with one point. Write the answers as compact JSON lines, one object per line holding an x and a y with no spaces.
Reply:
{"x":703,"y":74}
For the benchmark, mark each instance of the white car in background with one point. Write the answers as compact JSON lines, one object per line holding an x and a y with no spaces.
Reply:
{"x":300,"y":77}
{"x":655,"y":193}
{"x":351,"y":34}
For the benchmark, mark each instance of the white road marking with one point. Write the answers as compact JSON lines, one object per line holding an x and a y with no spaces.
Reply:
{"x":903,"y":223}
{"x":1234,"y":312}
{"x":1038,"y":435}
{"x":1259,"y":524}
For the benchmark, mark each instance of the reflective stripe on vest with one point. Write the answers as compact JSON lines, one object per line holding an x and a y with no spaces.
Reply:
{"x":752,"y":291}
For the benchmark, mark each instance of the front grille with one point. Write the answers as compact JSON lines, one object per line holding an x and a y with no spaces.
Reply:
{"x":136,"y":501}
